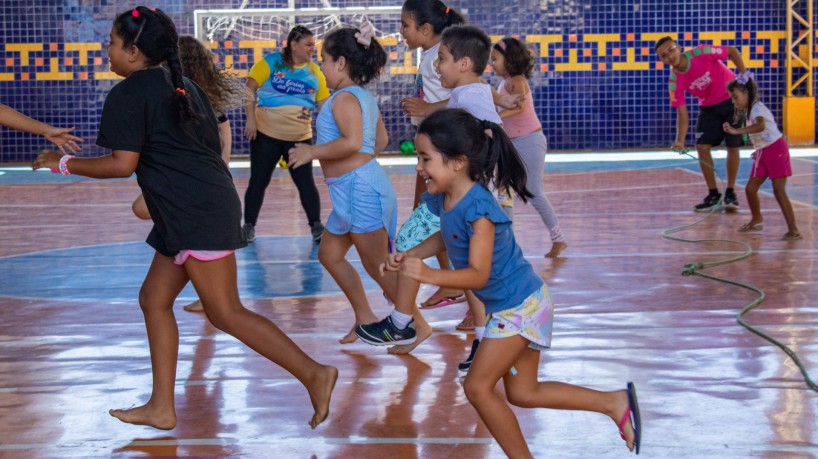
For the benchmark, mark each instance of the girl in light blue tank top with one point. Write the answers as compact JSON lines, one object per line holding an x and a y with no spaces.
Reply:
{"x":453,"y":148}
{"x":350,"y":134}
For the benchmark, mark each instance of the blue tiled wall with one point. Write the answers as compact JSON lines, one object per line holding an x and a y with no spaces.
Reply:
{"x":598,"y":84}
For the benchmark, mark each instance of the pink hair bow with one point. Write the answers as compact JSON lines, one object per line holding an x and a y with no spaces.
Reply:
{"x":364,"y":37}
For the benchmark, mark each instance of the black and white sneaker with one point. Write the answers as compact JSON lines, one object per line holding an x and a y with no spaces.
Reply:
{"x":466,"y":364}
{"x":385,"y":333}
{"x":249,"y":232}
{"x":730,"y":201}
{"x":711,"y":201}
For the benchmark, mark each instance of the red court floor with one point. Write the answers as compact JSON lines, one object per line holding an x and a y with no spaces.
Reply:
{"x":73,"y":345}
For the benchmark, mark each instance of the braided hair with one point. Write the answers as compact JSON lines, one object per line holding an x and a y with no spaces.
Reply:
{"x":154,"y":33}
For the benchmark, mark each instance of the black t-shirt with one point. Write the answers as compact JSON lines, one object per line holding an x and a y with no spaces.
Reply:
{"x":187,"y":187}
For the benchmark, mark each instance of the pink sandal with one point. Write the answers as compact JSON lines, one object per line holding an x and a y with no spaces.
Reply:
{"x":467,"y":324}
{"x":437,"y":301}
{"x":632,"y":414}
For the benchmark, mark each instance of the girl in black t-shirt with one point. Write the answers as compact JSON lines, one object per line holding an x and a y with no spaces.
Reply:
{"x":162,"y":126}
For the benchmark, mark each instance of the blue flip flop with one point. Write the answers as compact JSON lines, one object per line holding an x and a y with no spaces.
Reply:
{"x":635,"y":416}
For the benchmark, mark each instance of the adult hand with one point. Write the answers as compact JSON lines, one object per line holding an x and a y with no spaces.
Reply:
{"x":47,"y":159}
{"x":300,"y":154}
{"x":678,"y":146}
{"x":414,"y":106}
{"x":745,"y":77}
{"x":250,"y":130}
{"x":62,"y":138}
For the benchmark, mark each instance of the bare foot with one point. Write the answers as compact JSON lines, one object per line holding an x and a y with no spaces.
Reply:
{"x":320,"y":394}
{"x":556,"y":249}
{"x":350,"y":337}
{"x":423,"y":332}
{"x":147,"y":415}
{"x":621,"y":406}
{"x":196,"y":306}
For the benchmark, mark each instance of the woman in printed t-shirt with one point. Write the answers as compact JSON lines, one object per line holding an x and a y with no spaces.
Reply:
{"x":289,"y":87}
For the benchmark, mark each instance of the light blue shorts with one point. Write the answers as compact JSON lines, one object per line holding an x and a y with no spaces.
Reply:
{"x":533,"y":319}
{"x":420,"y":225}
{"x":363,"y":200}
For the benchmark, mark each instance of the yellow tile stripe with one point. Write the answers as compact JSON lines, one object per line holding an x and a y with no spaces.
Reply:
{"x":600,"y":52}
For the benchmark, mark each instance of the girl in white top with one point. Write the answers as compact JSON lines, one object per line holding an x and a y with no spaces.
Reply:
{"x":421,"y":24}
{"x":771,"y":158}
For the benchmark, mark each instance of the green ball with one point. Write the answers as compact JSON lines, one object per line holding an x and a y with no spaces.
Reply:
{"x":407,"y":147}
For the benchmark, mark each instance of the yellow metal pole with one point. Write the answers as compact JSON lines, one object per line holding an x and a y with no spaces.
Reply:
{"x":799,"y":103}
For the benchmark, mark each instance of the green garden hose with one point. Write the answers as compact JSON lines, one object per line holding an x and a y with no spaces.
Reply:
{"x":694,"y":269}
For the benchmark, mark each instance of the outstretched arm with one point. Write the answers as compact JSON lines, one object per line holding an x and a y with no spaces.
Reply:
{"x":119,"y":164}
{"x":418,"y":107}
{"x":60,"y":137}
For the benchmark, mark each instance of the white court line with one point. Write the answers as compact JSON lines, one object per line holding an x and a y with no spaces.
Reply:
{"x":657,"y":155}
{"x":355,"y":440}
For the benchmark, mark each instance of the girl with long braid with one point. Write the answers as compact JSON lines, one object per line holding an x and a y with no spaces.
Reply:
{"x":162,"y":126}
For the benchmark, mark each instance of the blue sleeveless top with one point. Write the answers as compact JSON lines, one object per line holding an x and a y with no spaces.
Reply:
{"x":328,"y":130}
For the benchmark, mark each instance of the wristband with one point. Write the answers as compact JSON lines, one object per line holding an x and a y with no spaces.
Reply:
{"x":64,"y":164}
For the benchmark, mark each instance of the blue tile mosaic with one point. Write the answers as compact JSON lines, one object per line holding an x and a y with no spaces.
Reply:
{"x":597,"y":83}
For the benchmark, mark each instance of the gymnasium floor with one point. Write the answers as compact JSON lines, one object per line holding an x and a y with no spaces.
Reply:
{"x":73,"y":343}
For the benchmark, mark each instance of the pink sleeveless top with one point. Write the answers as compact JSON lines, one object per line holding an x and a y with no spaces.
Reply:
{"x":524,"y":122}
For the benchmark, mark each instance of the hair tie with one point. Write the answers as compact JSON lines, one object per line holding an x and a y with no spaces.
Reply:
{"x":135,"y":13}
{"x":447,"y":10}
{"x":364,"y":36}
{"x":486,"y":124}
{"x":745,"y":77}
{"x":181,"y":90}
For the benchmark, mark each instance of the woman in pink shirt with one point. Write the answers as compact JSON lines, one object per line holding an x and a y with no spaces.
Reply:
{"x":512,"y":61}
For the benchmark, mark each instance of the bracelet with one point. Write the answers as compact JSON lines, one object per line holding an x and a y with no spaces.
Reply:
{"x":64,"y":164}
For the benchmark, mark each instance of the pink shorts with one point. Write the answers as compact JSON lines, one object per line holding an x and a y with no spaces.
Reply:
{"x":203,"y":255}
{"x":772,"y":161}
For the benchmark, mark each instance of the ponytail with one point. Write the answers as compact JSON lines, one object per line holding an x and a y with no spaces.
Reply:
{"x":154,"y":33}
{"x":433,"y":12}
{"x":504,"y":162}
{"x":364,"y":62}
{"x":740,"y":115}
{"x":296,"y":33}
